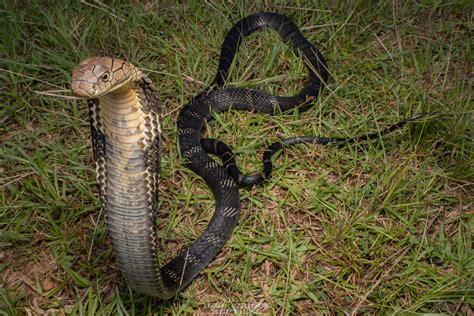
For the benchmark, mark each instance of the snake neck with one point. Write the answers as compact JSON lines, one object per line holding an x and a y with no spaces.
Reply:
{"x":130,"y":124}
{"x":128,"y":118}
{"x":122,"y":122}
{"x":121,"y":101}
{"x":124,"y":130}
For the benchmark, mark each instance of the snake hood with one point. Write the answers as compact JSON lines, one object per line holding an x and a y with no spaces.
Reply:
{"x":96,"y":76}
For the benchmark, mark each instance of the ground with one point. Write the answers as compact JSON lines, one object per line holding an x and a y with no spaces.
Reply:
{"x":372,"y":228}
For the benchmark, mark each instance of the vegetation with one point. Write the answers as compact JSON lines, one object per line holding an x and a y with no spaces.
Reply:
{"x":372,"y":228}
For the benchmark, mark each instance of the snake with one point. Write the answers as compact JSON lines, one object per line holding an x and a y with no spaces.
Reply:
{"x":125,"y":116}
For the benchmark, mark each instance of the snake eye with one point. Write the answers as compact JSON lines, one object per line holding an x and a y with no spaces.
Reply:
{"x":105,"y":77}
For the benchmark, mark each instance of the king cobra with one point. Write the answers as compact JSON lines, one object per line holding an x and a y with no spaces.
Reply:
{"x":125,"y":119}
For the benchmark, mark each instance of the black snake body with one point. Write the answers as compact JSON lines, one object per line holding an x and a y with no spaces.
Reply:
{"x":192,"y":117}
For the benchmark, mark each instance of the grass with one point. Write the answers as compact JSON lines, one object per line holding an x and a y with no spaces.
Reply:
{"x":377,"y":228}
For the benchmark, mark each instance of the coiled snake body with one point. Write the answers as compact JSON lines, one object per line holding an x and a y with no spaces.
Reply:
{"x":126,"y":137}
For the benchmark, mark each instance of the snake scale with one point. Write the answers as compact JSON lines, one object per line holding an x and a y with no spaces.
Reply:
{"x":126,"y":132}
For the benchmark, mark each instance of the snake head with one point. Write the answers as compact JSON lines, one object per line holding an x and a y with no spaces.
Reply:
{"x":97,"y":76}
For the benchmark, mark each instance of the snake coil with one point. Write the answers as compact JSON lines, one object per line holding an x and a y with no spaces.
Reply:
{"x":126,"y":137}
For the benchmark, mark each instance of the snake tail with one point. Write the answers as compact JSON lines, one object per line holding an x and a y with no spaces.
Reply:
{"x":224,"y":152}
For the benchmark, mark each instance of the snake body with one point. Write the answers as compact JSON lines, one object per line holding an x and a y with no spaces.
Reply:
{"x":126,"y":137}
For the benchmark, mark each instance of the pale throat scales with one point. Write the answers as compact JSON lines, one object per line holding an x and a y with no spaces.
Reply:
{"x":123,"y":124}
